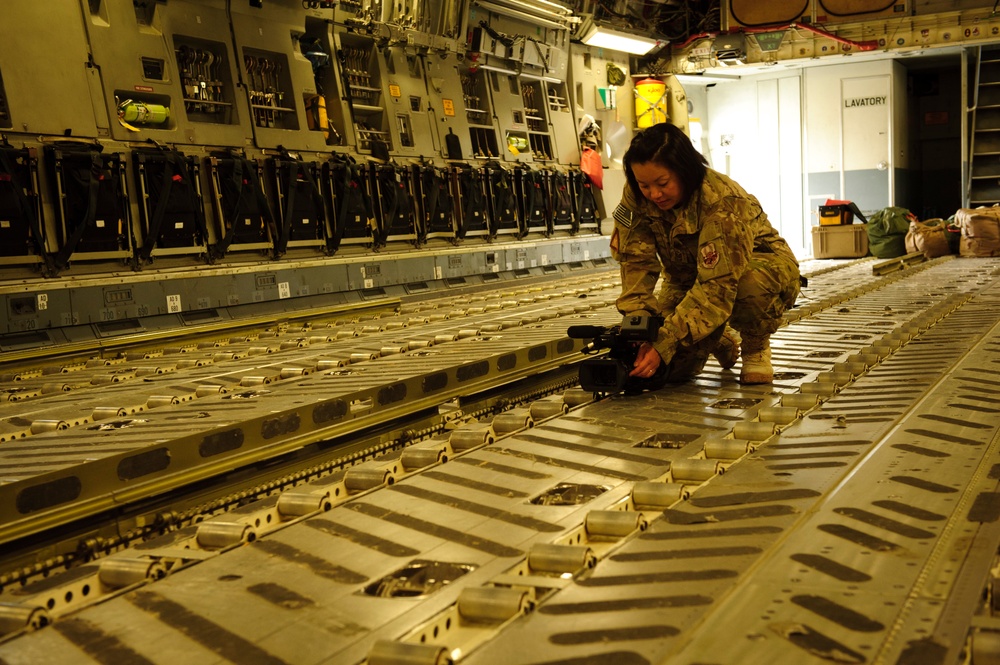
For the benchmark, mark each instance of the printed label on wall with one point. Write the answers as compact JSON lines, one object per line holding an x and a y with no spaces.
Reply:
{"x":865,"y":101}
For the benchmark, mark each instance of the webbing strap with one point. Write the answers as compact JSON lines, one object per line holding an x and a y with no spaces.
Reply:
{"x":170,"y":160}
{"x":93,"y":189}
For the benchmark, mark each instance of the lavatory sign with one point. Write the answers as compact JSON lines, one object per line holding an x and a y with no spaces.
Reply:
{"x":865,"y":101}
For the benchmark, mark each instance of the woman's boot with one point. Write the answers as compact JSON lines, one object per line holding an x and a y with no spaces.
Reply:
{"x":756,"y":355}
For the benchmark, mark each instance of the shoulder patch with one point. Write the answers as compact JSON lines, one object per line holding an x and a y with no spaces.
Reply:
{"x":709,"y":255}
{"x":623,"y":216}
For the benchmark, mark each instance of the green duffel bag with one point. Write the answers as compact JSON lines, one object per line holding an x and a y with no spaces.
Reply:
{"x":887,"y":232}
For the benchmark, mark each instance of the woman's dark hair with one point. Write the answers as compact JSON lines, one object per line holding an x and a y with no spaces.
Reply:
{"x":667,"y":145}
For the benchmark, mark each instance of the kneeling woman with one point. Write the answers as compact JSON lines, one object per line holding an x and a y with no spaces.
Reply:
{"x":723,"y":265}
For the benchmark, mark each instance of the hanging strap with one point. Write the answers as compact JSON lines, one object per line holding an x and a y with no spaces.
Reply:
{"x":439,"y":198}
{"x":390,"y":201}
{"x":428,"y":185}
{"x":318,"y":205}
{"x":251,"y":182}
{"x":492,"y":223}
{"x":368,"y":184}
{"x":541,"y":201}
{"x":93,"y":189}
{"x":340,"y":216}
{"x":404,"y":204}
{"x":529,"y":195}
{"x":286,"y":221}
{"x":192,"y":192}
{"x":563,"y":200}
{"x":533,"y":192}
{"x":504,"y":200}
{"x":352,"y":203}
{"x":464,"y":188}
{"x":222,"y":246}
{"x":473,"y":194}
{"x":297,"y":166}
{"x":445,"y":199}
{"x":580,"y":179}
{"x":586,"y":195}
{"x":173,"y":171}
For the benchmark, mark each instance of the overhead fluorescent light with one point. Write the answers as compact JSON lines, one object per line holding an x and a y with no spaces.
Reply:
{"x":705,"y":79}
{"x":618,"y":41}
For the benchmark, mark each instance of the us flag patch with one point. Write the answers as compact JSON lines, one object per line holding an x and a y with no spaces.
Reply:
{"x":623,"y":216}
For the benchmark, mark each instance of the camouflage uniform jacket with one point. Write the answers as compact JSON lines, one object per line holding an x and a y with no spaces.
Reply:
{"x":701,"y":251}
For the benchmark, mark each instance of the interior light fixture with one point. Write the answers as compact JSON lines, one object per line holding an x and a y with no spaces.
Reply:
{"x":706,"y":78}
{"x":614,"y":40}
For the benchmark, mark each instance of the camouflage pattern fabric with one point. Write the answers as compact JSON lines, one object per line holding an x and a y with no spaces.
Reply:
{"x":717,"y":259}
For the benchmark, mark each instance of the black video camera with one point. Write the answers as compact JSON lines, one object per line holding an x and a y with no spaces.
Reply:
{"x":609,"y":374}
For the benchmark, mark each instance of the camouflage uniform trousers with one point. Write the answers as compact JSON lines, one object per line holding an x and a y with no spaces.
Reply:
{"x":768,"y":288}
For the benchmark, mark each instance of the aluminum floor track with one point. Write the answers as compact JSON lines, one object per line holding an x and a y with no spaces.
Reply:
{"x":848,"y":513}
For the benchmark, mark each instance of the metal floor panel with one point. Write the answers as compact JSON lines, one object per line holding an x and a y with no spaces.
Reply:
{"x":840,"y":539}
{"x":861,"y":524}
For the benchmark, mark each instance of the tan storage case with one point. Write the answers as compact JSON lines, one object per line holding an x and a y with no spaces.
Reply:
{"x":842,"y":241}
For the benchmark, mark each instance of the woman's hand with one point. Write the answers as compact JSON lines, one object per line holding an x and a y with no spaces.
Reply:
{"x":646,"y":362}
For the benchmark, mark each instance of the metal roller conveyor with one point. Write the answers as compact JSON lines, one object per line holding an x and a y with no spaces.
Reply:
{"x":217,"y":534}
{"x":839,"y":492}
{"x":415,"y":457}
{"x":15,"y":617}
{"x":649,"y":495}
{"x":695,"y":470}
{"x":727,"y":449}
{"x":118,"y":572}
{"x":193,"y":437}
{"x":613,"y":524}
{"x":560,"y":560}
{"x":494,"y":604}
{"x":295,"y":503}
{"x":396,"y":653}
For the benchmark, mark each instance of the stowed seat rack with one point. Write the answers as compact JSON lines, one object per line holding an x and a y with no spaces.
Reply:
{"x":91,"y":202}
{"x":170,"y":206}
{"x":22,"y":232}
{"x":242,"y":212}
{"x":302,"y":219}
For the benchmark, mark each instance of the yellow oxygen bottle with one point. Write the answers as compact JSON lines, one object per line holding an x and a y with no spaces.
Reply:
{"x":650,"y":102}
{"x":141,"y":113}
